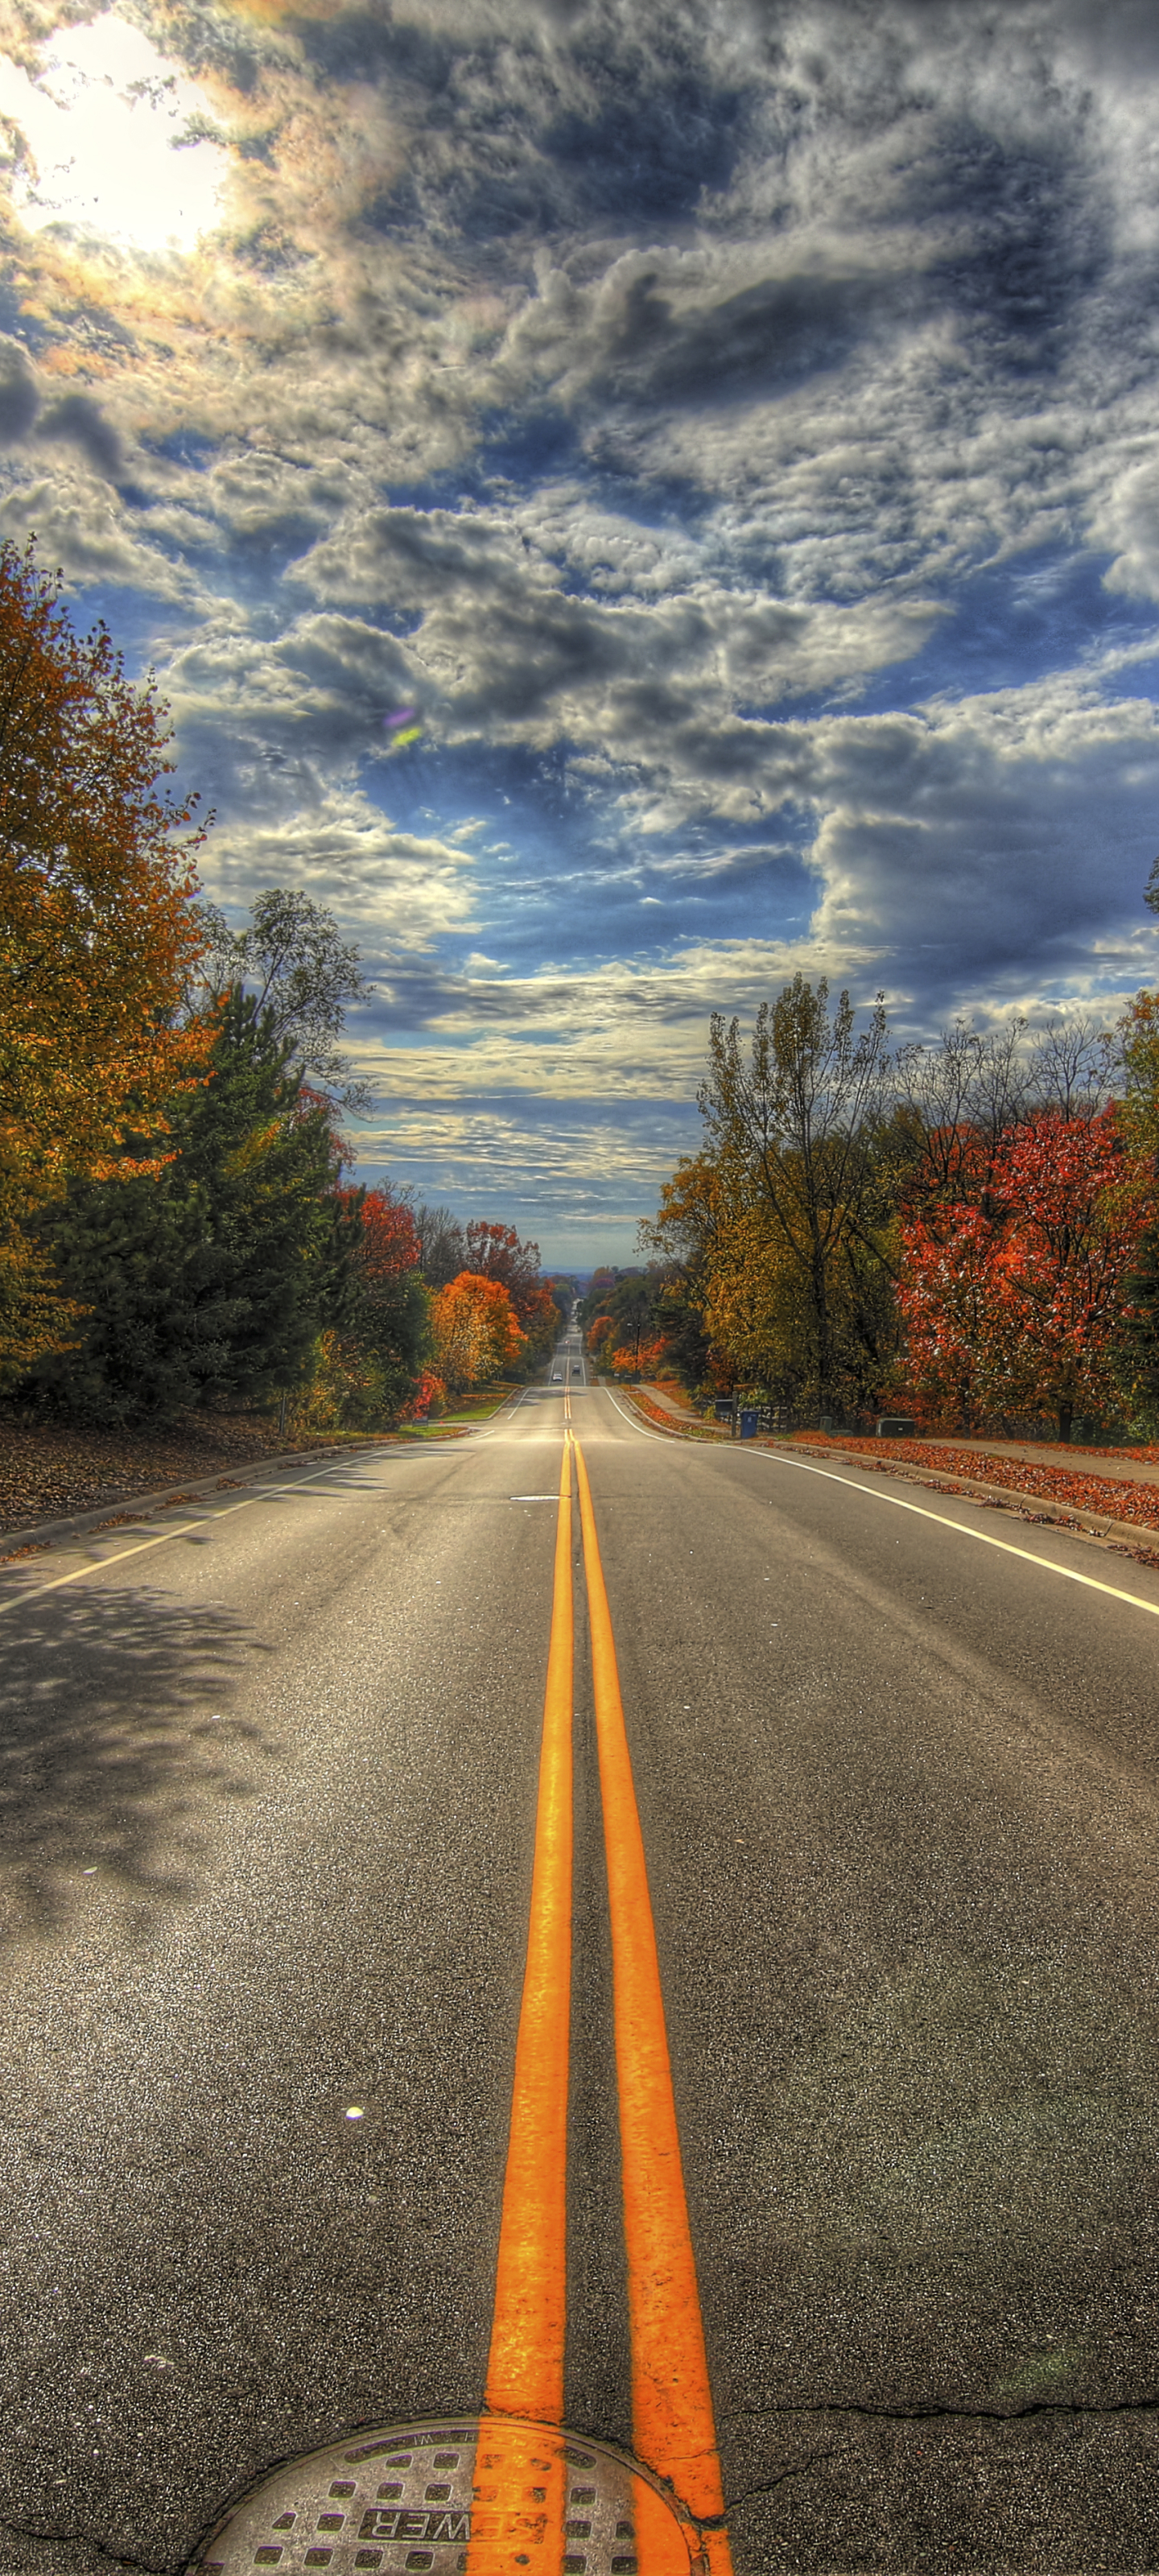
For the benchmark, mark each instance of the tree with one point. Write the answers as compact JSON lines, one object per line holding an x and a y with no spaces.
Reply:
{"x":495,"y":1252}
{"x":686,"y":1232}
{"x":210,"y":1280}
{"x":442,"y":1244}
{"x":602,"y":1338}
{"x":474,"y":1331}
{"x":1016,"y":1303}
{"x":1135,"y":1355}
{"x":386,"y":1337}
{"x":1139,"y":1053}
{"x":758,"y":1326}
{"x":960,"y":1347}
{"x":800,"y":1117}
{"x":633,"y":1305}
{"x":98,"y":930}
{"x":299,"y":972}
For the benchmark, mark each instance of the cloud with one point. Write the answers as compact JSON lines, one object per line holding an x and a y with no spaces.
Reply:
{"x":19,"y":392}
{"x":685,"y":413}
{"x":78,"y":420}
{"x":398,"y":891}
{"x":565,"y":1175}
{"x":265,"y":723}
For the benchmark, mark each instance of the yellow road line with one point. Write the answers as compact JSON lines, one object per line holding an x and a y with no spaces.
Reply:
{"x":525,"y":2369}
{"x":672,"y":2419}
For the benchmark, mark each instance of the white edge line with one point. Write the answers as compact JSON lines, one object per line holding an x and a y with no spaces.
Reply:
{"x":209,"y":1519}
{"x":776,"y":1458}
{"x":96,"y":1565}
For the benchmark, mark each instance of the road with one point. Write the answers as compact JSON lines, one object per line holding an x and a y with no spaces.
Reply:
{"x":267,"y":1830}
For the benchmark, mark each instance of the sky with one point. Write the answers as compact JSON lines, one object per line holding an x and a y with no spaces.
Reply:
{"x":626,"y":502}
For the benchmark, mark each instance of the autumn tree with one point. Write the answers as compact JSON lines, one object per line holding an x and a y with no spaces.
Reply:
{"x":1014,"y":1302}
{"x":368,"y":1365}
{"x":960,"y":1341}
{"x":441,"y":1241}
{"x":800,"y":1115}
{"x":385,"y":1337}
{"x":494,"y":1251}
{"x":1136,"y":1355}
{"x":98,"y":931}
{"x":633,"y":1303}
{"x":474,"y":1331}
{"x":601,"y":1338}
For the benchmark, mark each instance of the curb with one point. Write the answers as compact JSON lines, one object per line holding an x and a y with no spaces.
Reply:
{"x":101,"y":1514}
{"x":1073,"y":1516}
{"x":44,"y":1532}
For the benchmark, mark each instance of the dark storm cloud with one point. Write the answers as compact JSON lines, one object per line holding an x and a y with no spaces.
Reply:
{"x":80,"y":422}
{"x":749,"y":345}
{"x":19,"y":393}
{"x":614,"y":120}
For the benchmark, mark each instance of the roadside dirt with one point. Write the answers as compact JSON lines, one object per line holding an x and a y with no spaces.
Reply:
{"x":48,"y":1470}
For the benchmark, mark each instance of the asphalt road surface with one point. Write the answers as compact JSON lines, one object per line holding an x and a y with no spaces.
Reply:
{"x":267,"y":1825}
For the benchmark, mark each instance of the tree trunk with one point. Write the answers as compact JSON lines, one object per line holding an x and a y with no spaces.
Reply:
{"x":821,"y":1319}
{"x":1065,"y":1416}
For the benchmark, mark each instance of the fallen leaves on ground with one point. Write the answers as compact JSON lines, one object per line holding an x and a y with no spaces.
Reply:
{"x":1110,"y":1496}
{"x":50,"y":1469}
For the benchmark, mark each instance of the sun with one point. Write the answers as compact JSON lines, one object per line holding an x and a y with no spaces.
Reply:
{"x":105,"y":122}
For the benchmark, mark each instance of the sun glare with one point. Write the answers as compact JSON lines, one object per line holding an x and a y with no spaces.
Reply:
{"x":103,"y":122}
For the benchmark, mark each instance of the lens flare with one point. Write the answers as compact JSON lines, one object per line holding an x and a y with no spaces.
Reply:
{"x":403,"y":726}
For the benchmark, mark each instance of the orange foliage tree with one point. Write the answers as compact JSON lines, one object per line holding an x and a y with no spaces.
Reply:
{"x":370,"y":1365}
{"x":602,"y":1331}
{"x":644,"y":1359}
{"x":1013,"y":1301}
{"x":98,"y":931}
{"x":474,"y":1330}
{"x":495,"y":1252}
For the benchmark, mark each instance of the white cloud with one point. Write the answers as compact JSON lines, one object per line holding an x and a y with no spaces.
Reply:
{"x":637,"y":393}
{"x":111,"y":126}
{"x":398,"y":891}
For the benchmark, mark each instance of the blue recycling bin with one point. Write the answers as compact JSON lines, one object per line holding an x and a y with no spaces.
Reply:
{"x":748,"y":1422}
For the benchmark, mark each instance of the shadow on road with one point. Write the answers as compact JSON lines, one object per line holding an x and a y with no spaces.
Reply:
{"x":116,"y":1741}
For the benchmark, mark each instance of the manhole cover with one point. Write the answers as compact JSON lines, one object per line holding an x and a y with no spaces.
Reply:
{"x":460,"y":2498}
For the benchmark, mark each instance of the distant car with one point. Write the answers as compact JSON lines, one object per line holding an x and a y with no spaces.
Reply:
{"x":556,"y":1377}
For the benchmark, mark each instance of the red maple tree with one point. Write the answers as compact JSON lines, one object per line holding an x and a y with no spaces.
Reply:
{"x":1011,"y":1297}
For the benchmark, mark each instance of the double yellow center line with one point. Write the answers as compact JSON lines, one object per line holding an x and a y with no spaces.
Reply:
{"x":673,"y":2427}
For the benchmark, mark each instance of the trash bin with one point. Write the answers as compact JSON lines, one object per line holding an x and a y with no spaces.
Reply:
{"x":748,"y":1422}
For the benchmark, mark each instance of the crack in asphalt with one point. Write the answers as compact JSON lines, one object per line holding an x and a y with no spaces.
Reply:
{"x":750,"y":2495}
{"x":82,"y":2540}
{"x":951,"y":2414}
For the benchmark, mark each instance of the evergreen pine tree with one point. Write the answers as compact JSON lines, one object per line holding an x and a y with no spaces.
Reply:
{"x":210,"y":1282}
